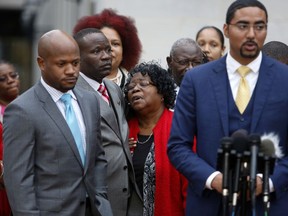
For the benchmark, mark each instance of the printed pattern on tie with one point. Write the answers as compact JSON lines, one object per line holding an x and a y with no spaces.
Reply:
{"x":243,"y":94}
{"x":102,"y":89}
{"x":73,"y":124}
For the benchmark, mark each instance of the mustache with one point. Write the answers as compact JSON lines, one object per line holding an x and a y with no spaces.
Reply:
{"x":250,"y":43}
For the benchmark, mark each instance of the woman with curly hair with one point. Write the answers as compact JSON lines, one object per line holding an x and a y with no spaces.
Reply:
{"x":123,"y":37}
{"x":151,"y":93}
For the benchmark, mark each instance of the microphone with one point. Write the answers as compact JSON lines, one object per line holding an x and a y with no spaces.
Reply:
{"x":226,"y":144}
{"x":269,"y":148}
{"x":240,"y":145}
{"x":254,"y":145}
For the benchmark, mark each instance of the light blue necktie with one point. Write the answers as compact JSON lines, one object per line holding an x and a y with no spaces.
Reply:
{"x":73,"y":124}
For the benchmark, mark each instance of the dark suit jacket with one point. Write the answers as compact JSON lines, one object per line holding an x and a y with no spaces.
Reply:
{"x":43,"y":170}
{"x":202,"y":111}
{"x":123,"y":192}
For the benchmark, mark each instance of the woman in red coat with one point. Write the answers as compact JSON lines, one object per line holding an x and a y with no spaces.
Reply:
{"x":150,"y":91}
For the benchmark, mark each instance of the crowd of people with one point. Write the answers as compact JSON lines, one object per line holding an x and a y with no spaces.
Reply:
{"x":102,"y":133}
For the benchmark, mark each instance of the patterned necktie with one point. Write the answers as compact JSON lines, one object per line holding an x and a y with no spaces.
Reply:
{"x":243,"y":94}
{"x":104,"y":93}
{"x":73,"y":124}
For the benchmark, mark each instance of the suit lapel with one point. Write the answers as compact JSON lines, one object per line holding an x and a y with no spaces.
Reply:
{"x":85,"y":115}
{"x":262,"y":89}
{"x":116,"y":106}
{"x":52,"y":110}
{"x":104,"y":107}
{"x":220,"y":85}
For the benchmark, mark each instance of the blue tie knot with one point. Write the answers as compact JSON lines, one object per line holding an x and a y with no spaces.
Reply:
{"x":66,"y":99}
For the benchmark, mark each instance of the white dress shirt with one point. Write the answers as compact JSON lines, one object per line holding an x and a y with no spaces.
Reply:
{"x":56,"y":97}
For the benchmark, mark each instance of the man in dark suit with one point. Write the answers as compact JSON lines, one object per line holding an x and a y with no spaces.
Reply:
{"x":50,"y":170}
{"x":206,"y":108}
{"x":95,"y":52}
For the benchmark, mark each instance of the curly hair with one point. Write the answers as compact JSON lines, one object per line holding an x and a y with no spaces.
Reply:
{"x":160,"y":78}
{"x":125,"y":26}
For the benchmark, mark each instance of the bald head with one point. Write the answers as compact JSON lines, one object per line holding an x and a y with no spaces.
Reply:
{"x":59,"y":60}
{"x":55,"y":42}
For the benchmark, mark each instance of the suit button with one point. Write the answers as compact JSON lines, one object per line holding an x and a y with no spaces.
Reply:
{"x":242,"y":119}
{"x":125,"y":167}
{"x":124,"y":190}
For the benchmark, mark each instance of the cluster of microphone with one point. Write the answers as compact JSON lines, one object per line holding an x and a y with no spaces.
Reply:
{"x":241,"y":158}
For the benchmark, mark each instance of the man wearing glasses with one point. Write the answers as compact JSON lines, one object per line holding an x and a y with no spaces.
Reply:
{"x":184,"y":55}
{"x":209,"y":108}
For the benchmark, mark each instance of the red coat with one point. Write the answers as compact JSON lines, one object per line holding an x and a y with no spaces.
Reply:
{"x":171,"y":186}
{"x":4,"y":204}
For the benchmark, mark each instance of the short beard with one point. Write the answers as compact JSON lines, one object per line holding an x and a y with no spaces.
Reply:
{"x":250,"y":55}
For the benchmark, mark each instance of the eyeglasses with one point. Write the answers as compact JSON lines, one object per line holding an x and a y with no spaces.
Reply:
{"x":12,"y":75}
{"x":245,"y":27}
{"x":186,"y":62}
{"x":142,"y":84}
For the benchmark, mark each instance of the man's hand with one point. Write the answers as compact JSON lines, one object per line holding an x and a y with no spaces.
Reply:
{"x":216,"y":183}
{"x":259,"y":185}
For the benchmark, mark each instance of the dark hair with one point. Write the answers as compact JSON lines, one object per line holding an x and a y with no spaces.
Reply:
{"x":82,"y":33}
{"x":218,"y":31}
{"x":161,"y":79}
{"x":238,"y":4}
{"x":125,"y":26}
{"x":276,"y":50}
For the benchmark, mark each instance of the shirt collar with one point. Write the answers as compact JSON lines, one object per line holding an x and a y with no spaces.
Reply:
{"x":56,"y":94}
{"x":93,"y":83}
{"x":233,"y":65}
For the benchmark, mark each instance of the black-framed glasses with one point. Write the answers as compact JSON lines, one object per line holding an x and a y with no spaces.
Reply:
{"x":187,"y":62}
{"x":142,"y":84}
{"x":12,"y":75}
{"x":245,"y":27}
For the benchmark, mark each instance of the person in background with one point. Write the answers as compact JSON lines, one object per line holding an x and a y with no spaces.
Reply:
{"x":150,"y":92}
{"x":123,"y":37}
{"x":276,"y":50}
{"x":211,"y":41}
{"x":96,"y":58}
{"x":9,"y":85}
{"x":209,"y":108}
{"x":53,"y":160}
{"x":184,"y":55}
{"x":9,"y":90}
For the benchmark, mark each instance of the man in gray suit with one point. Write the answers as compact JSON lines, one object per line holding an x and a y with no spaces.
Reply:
{"x":44,"y":171}
{"x":95,"y":52}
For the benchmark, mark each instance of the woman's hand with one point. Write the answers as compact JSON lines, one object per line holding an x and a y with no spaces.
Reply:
{"x":132,"y":144}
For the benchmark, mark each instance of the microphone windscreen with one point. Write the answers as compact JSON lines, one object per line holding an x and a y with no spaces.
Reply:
{"x":255,"y":139}
{"x":274,"y":138}
{"x":240,"y":141}
{"x":240,"y":133}
{"x":267,"y":148}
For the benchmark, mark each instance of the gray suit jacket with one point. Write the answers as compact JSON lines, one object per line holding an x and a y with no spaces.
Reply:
{"x":123,"y":192}
{"x":43,"y":170}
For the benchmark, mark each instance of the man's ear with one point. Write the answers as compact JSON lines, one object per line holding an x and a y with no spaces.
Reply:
{"x":226,"y":30}
{"x":168,"y":60}
{"x":41,"y":63}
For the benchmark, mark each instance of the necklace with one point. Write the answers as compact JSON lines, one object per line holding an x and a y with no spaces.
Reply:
{"x":145,"y":140}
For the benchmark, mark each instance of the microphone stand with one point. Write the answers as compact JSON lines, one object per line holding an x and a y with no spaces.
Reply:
{"x":243,"y":190}
{"x":226,"y":147}
{"x":266,"y":190}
